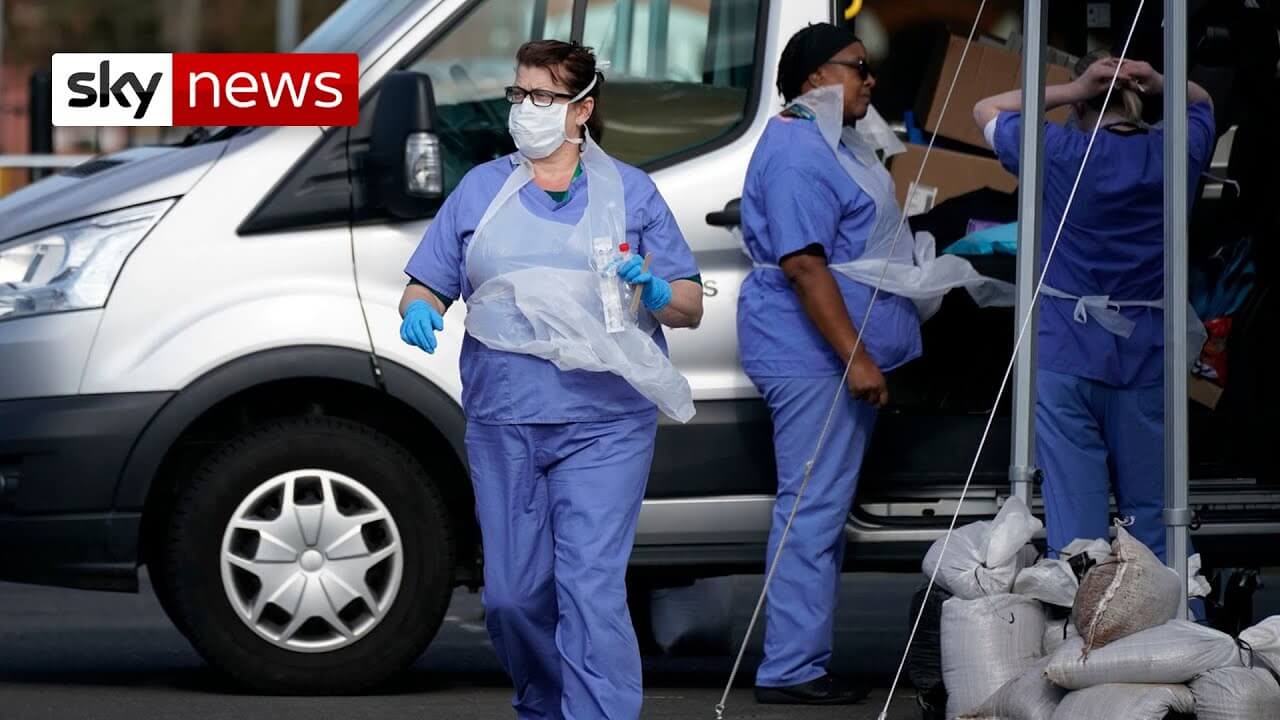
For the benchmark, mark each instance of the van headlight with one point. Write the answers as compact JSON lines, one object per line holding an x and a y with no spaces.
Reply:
{"x":71,"y":266}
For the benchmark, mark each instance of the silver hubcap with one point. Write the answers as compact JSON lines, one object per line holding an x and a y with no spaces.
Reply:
{"x":311,"y":560}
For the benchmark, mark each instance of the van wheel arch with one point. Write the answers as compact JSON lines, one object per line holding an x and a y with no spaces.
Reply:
{"x":270,"y":385}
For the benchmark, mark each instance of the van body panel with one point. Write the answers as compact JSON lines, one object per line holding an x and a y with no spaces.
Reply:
{"x":195,"y":295}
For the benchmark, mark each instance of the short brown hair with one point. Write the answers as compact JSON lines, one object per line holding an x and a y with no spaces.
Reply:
{"x":571,"y":64}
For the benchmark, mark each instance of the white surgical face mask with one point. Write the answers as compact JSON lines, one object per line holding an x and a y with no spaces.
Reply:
{"x":539,"y":131}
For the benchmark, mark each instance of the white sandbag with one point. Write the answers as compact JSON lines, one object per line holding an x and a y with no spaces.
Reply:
{"x":984,"y":557}
{"x":1236,"y":694}
{"x":1030,"y":696}
{"x":986,"y":643}
{"x":1126,"y":702}
{"x":1049,"y":581}
{"x":1057,"y":633}
{"x":1174,"y":652}
{"x":697,"y":617}
{"x":1264,"y":639}
{"x":1129,"y":592}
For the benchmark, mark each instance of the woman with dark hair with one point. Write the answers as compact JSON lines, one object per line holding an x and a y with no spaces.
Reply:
{"x":816,"y":200}
{"x":560,"y":381}
{"x":1100,"y":380}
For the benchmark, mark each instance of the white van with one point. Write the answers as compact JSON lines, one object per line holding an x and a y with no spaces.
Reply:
{"x":203,"y":374}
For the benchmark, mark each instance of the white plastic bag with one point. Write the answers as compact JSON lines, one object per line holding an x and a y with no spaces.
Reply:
{"x":1049,"y":581}
{"x":1174,"y":652}
{"x":984,"y":557}
{"x":1126,"y":702}
{"x":986,"y":643}
{"x":1197,"y":585}
{"x":1098,"y":550}
{"x":1125,"y":594}
{"x":1236,"y":694}
{"x":1030,"y":696}
{"x":1264,"y":639}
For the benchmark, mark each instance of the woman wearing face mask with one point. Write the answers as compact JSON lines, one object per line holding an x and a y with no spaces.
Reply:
{"x":559,"y":454}
{"x":1100,"y":381}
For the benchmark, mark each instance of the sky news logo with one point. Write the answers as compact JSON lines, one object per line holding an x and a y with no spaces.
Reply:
{"x":168,"y":89}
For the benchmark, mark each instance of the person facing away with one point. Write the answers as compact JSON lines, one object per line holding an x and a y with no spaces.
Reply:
{"x":1100,"y":374}
{"x":558,"y":458}
{"x":810,"y":202}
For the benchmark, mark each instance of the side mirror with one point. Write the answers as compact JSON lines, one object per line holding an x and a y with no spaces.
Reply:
{"x":406,"y":169}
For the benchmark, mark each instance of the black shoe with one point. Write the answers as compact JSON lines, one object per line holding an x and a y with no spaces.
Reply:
{"x":826,"y":690}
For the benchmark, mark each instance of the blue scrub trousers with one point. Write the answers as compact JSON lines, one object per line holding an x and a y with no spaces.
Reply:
{"x":799,"y":619}
{"x":558,"y":506}
{"x":1093,"y":439}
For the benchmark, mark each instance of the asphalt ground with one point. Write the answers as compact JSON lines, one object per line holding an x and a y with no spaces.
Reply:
{"x":67,"y":654}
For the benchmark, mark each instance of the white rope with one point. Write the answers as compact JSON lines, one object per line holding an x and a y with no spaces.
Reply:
{"x":840,"y":389}
{"x":1004,"y":383}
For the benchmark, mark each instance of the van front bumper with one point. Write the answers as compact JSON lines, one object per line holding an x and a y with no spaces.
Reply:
{"x":60,"y":460}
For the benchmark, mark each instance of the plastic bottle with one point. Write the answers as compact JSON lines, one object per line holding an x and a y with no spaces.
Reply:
{"x":612,"y":292}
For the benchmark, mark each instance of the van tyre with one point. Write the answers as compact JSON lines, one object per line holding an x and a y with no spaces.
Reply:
{"x":311,"y":556}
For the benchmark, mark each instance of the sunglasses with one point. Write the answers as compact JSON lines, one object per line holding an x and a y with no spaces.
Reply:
{"x":541,"y":98}
{"x":860,"y":65}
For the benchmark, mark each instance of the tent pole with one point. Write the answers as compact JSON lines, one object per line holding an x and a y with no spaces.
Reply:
{"x":1022,"y":471}
{"x":1177,"y":515}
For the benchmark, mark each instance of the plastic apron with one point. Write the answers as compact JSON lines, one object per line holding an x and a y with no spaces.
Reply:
{"x":910,"y":268}
{"x":1106,"y":312}
{"x":537,"y":291}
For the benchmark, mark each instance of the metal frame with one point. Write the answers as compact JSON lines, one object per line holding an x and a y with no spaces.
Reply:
{"x":1177,"y":479}
{"x":1177,"y":515}
{"x":1030,"y":206}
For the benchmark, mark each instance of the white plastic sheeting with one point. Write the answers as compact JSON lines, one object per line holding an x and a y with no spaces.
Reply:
{"x":1174,"y":652}
{"x":538,"y":292}
{"x":986,"y":643}
{"x":908,"y":267}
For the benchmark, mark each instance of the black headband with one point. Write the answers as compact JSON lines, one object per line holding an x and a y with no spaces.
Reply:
{"x":807,"y":51}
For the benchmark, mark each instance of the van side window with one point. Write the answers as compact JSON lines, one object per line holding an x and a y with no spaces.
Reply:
{"x":471,"y":64}
{"x":681,"y":73}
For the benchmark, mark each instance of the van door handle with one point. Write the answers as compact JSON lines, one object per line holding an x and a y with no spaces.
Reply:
{"x":730,"y":216}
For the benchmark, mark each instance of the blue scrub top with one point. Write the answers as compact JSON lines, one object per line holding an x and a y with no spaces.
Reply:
{"x":797,"y":194}
{"x":1112,"y":244}
{"x":502,"y":387}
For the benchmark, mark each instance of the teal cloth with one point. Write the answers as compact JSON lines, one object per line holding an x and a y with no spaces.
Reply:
{"x":998,"y":240}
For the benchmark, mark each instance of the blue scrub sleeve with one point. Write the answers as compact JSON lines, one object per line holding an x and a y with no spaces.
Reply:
{"x":437,"y":261}
{"x":660,"y":235}
{"x":1058,"y":140}
{"x":802,"y":210}
{"x":1201,"y":135}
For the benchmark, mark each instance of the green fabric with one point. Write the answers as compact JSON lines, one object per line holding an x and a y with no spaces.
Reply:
{"x":562,"y":195}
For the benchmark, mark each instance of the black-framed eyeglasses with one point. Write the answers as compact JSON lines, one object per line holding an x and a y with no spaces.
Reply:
{"x":860,"y":65}
{"x":541,"y":98}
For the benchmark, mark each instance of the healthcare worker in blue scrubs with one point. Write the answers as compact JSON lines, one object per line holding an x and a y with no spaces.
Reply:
{"x":559,"y":459}
{"x":1100,"y":379}
{"x":803,"y":209}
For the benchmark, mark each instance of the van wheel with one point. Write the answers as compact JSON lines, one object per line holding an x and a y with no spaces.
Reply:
{"x":311,"y":556}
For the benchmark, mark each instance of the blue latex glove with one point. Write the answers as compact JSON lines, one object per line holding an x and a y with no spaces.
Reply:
{"x":655,"y":292}
{"x":421,"y":321}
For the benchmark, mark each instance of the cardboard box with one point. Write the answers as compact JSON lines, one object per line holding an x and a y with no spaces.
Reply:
{"x":988,"y":71}
{"x":948,"y":174}
{"x":1204,"y":392}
